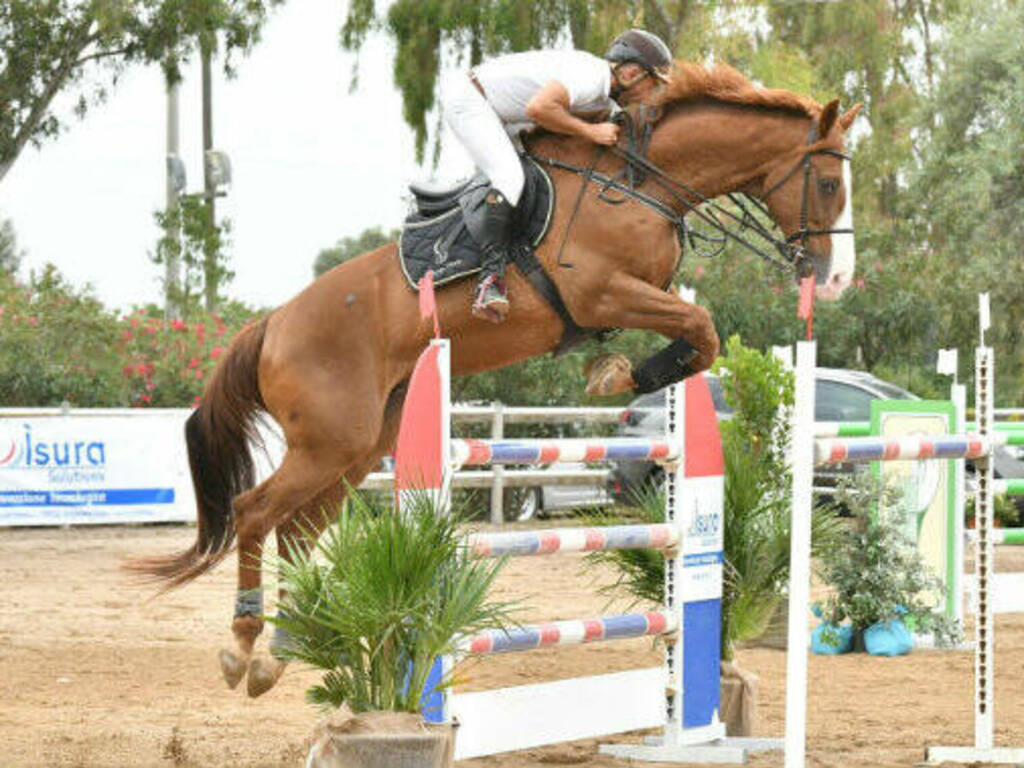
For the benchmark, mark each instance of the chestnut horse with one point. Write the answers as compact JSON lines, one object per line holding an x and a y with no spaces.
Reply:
{"x":330,"y":366}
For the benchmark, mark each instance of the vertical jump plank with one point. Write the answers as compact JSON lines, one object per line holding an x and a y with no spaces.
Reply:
{"x":802,"y":440}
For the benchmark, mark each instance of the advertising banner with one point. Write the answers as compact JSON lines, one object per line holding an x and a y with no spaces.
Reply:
{"x":60,"y":468}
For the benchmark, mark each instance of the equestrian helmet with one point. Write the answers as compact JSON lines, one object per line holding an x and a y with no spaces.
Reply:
{"x":643,"y":48}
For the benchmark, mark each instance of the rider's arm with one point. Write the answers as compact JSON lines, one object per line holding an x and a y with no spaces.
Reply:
{"x":549,"y":108}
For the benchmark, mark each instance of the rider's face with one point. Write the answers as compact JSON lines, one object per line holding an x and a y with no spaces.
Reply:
{"x":635,"y":83}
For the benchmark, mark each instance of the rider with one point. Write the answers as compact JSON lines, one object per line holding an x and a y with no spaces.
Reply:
{"x":553,"y":89}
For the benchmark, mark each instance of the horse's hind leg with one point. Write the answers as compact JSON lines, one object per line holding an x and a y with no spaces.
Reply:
{"x":296,"y":535}
{"x":298,"y":531}
{"x":301,"y":477}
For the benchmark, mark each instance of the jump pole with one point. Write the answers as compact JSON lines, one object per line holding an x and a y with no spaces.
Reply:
{"x":681,"y":696}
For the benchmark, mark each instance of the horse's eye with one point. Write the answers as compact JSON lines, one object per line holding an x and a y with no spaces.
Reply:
{"x":828,"y":187}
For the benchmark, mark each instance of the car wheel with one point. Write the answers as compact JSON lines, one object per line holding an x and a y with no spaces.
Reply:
{"x":531,"y":504}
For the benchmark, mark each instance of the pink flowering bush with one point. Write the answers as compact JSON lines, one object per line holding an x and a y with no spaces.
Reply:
{"x":168,"y":362}
{"x":60,"y":344}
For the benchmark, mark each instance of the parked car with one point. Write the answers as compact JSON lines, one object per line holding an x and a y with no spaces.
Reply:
{"x":546,"y":500}
{"x":840,"y":395}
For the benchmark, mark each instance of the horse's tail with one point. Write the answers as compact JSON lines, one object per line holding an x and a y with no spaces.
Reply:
{"x":218,"y":435}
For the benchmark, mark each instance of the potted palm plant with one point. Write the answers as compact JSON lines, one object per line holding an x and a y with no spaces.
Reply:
{"x":373,"y":603}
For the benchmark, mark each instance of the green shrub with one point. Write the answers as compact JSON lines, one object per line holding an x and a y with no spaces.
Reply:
{"x":166,"y":363}
{"x":875,"y":570}
{"x":757,"y":496}
{"x":57,"y":344}
{"x":60,"y":344}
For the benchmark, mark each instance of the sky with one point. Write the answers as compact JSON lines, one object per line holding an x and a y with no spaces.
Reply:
{"x":311,"y":162}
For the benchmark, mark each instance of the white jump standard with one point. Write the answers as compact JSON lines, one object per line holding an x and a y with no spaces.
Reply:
{"x":831,"y":450}
{"x":986,"y":593}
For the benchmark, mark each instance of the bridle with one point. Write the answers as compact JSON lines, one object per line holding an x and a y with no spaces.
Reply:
{"x":802,"y":234}
{"x":793,"y":249}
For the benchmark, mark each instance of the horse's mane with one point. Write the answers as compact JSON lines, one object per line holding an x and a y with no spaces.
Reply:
{"x":691,"y":82}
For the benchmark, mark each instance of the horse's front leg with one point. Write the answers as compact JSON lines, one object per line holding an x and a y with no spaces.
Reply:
{"x":632,"y":303}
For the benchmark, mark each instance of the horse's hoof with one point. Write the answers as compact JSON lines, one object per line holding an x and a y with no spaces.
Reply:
{"x":233,"y":668}
{"x":263,"y":674}
{"x":609,"y":375}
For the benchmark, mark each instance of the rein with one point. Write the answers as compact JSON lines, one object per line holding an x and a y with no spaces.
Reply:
{"x":793,"y":248}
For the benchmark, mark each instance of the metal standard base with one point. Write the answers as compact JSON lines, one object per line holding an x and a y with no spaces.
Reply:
{"x":726,"y":750}
{"x":974,"y":755}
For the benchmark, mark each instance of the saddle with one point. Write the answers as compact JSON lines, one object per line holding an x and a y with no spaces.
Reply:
{"x":440,"y":235}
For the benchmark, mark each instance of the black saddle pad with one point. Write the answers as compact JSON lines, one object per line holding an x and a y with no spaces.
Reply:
{"x":436,"y":237}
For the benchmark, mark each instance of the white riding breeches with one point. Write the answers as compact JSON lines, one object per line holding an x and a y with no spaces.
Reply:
{"x":477,"y":126}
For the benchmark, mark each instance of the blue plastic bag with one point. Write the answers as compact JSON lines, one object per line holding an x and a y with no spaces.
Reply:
{"x":888,"y":639}
{"x":841,"y":635}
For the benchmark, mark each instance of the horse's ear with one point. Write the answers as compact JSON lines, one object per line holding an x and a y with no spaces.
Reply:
{"x":828,"y":118}
{"x":847,"y":120}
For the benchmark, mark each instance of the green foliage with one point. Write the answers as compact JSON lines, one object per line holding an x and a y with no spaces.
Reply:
{"x":198,"y":245}
{"x":53,"y":47}
{"x":166,"y":363}
{"x":1005,"y":512}
{"x":967,"y":194}
{"x":10,"y":254}
{"x":350,"y":247}
{"x":381,"y":595}
{"x":757,"y":501}
{"x":875,"y":570}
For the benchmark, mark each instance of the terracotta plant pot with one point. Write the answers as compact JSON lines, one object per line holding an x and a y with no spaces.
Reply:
{"x":379,"y":740}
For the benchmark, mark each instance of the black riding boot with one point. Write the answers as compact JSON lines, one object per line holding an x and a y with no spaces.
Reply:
{"x":491,"y":297}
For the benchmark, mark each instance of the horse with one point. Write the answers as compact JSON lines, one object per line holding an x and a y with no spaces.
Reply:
{"x":331,"y":365}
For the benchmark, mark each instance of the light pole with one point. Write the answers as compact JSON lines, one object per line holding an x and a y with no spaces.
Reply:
{"x":216,"y":176}
{"x":210,"y":255}
{"x":175,"y":186}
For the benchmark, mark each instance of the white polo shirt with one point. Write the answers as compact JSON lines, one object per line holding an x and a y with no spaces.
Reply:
{"x":511,"y":81}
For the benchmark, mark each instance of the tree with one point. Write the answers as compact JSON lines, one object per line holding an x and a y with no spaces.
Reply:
{"x":199,"y":246}
{"x":881,"y":53}
{"x":966,"y":199}
{"x":51,"y":47}
{"x":10,"y":255}
{"x":468,"y":30}
{"x":350,"y":247}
